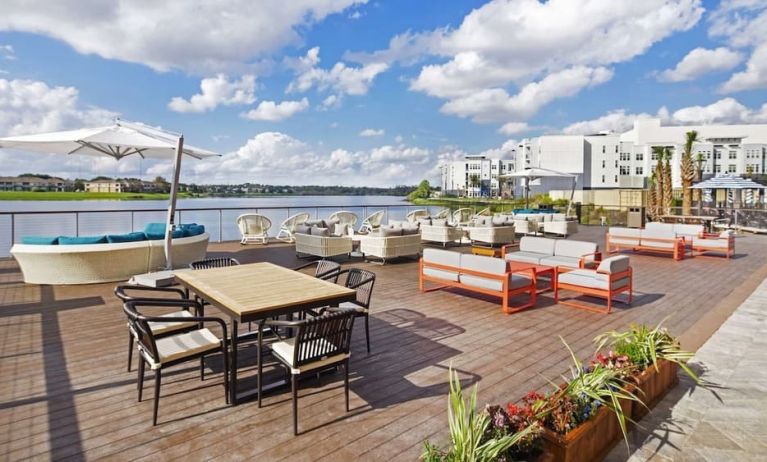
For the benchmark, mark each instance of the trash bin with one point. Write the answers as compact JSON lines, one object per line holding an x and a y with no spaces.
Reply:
{"x":636,"y":217}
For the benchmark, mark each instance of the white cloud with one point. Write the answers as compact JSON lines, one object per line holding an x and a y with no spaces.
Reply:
{"x":30,"y":106}
{"x":368,"y":132}
{"x":7,"y":52}
{"x":513,"y":128}
{"x":495,"y":104}
{"x":742,"y":24}
{"x":215,"y":91}
{"x":331,"y":102}
{"x":507,"y":151}
{"x":527,"y":44}
{"x":398,"y":139}
{"x":724,"y":111}
{"x":340,"y":79}
{"x":193,"y":35}
{"x":701,"y":61}
{"x":273,"y":112}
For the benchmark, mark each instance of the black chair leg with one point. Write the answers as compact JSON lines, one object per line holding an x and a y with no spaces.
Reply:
{"x":130,"y":350}
{"x":367,"y":331}
{"x":346,"y":383}
{"x":258,"y":360}
{"x":226,"y":372}
{"x":140,"y":381}
{"x":157,"y":378}
{"x":202,"y":368}
{"x":294,"y":386}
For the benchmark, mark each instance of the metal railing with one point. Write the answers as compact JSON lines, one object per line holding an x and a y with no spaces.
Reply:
{"x":219,"y":222}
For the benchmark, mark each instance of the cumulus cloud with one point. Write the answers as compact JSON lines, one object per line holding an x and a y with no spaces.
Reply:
{"x":7,"y":52}
{"x":528,"y":44}
{"x":368,"y":132}
{"x":195,"y":35}
{"x":215,"y":91}
{"x":724,"y":111}
{"x":496,"y":104}
{"x":701,"y":61}
{"x":741,"y":23}
{"x":513,"y":128}
{"x":274,"y":112}
{"x":340,"y":79}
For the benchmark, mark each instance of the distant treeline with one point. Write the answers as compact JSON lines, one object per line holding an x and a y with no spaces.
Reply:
{"x":307,"y":190}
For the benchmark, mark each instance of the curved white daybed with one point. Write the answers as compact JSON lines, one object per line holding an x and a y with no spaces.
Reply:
{"x":93,"y":263}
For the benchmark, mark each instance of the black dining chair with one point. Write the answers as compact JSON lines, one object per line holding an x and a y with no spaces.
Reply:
{"x":362,"y":281}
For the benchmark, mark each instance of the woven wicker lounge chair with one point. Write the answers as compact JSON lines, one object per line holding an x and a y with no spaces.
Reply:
{"x":373,"y":221}
{"x":288,"y":227}
{"x":462,"y":216}
{"x":442,"y":214}
{"x":345,"y":217}
{"x":413,"y":216}
{"x":254,"y":228}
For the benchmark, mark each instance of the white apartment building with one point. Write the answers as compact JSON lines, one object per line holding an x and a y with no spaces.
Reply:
{"x":609,"y":163}
{"x":475,"y":176}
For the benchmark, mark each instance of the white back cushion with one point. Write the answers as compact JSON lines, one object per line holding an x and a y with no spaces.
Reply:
{"x":565,"y":248}
{"x":627,"y":232}
{"x":615,"y":264}
{"x":483,"y":264}
{"x":658,"y":226}
{"x":688,"y":230}
{"x":442,"y":257}
{"x":537,"y":245}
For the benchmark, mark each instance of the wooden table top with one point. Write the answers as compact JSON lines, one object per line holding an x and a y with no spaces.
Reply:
{"x":261,"y":289}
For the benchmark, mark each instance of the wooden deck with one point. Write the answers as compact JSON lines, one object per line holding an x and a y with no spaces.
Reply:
{"x":65,"y":394}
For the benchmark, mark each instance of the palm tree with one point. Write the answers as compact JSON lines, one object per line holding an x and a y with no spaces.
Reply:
{"x":668,"y":191}
{"x":659,"y":153}
{"x":688,"y":171}
{"x":652,"y":198}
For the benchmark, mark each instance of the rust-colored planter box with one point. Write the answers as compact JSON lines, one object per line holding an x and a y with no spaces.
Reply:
{"x":652,"y":386}
{"x":590,"y":441}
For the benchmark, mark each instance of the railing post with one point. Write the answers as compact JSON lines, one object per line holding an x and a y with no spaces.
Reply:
{"x":132,"y":220}
{"x":13,"y":228}
{"x":220,"y":225}
{"x":77,"y":224}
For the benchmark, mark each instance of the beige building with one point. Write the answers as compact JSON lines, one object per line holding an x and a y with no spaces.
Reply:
{"x":106,"y":186}
{"x":33,"y":183}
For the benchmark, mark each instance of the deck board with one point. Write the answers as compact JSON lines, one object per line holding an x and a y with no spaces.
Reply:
{"x":65,"y":394}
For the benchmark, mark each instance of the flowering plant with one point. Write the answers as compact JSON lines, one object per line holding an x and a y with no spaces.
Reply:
{"x":613,"y":360}
{"x":515,"y":419}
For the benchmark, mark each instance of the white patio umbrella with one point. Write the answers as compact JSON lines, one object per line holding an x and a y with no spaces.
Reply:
{"x":119,"y":140}
{"x":536,"y":173}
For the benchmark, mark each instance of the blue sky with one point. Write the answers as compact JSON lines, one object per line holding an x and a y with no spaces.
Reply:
{"x":369,"y":92}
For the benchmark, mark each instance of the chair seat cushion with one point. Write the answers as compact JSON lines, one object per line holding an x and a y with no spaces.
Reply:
{"x":284,"y":352}
{"x":163,"y":327}
{"x":494,"y":284}
{"x":712,"y":243}
{"x":526,"y":257}
{"x":441,"y":274}
{"x":557,"y":260}
{"x":589,"y":279}
{"x":184,"y":345}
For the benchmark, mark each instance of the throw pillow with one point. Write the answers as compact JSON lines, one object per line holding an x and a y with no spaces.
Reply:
{"x":340,"y":229}
{"x":303,"y":229}
{"x":391,"y":232}
{"x":406,"y":231}
{"x":317,"y":231}
{"x":439,"y":222}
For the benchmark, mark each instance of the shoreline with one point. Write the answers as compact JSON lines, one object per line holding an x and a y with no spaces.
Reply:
{"x":89,"y":196}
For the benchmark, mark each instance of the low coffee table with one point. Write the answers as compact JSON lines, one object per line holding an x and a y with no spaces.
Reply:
{"x":549,"y":272}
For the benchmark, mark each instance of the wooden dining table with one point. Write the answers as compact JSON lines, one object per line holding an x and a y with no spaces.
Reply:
{"x":258,"y":291}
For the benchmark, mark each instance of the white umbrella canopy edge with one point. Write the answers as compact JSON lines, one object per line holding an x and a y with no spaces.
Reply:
{"x":119,"y":140}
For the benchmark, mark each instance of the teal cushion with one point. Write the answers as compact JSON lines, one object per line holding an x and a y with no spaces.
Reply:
{"x":193,"y":230}
{"x":67,"y":240}
{"x":154,"y":228}
{"x":39,"y":240}
{"x":155,"y":231}
{"x":128,"y":237}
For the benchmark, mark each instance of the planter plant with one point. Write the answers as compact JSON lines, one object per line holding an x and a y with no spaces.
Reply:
{"x":473,"y":436}
{"x":656,"y":356}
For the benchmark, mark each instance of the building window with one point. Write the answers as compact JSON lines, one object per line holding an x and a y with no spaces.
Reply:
{"x":717,"y":154}
{"x":717,"y":168}
{"x":616,"y":178}
{"x":616,"y":164}
{"x":731,"y":168}
{"x":625,"y":170}
{"x":733,"y":154}
{"x":603,"y":164}
{"x":603,"y":178}
{"x":639,"y":171}
{"x":654,"y":156}
{"x":616,"y":149}
{"x":604,"y":149}
{"x":639,"y":156}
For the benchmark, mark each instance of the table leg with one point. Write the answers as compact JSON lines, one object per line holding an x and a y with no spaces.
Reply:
{"x":233,"y":365}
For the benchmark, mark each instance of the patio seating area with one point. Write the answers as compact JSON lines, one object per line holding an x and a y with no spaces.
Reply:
{"x":66,"y":393}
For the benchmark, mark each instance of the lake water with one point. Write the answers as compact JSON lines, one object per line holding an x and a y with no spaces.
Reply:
{"x":86,"y":218}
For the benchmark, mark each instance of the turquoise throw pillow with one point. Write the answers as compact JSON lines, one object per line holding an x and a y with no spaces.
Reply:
{"x":128,"y":237}
{"x":39,"y":240}
{"x":68,"y":240}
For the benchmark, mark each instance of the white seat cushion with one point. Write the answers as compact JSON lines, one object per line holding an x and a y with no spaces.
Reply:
{"x":557,"y":260}
{"x":590,"y":279}
{"x":494,"y":284}
{"x":441,"y":274}
{"x":284,"y":350}
{"x":184,"y":345}
{"x":712,"y":243}
{"x":526,"y":257}
{"x":164,"y":327}
{"x":537,"y":245}
{"x":657,"y":238}
{"x":441,"y":257}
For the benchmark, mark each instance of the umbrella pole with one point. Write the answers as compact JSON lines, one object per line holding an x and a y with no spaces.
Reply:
{"x":170,"y":221}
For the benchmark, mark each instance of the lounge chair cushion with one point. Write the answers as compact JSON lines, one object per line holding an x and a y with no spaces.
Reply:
{"x":589,"y":279}
{"x":184,"y":345}
{"x":526,"y":257}
{"x":442,"y":257}
{"x":559,"y":260}
{"x":40,"y":240}
{"x":390,"y":231}
{"x":303,"y":229}
{"x":657,"y":225}
{"x":192,"y":229}
{"x":424,"y":221}
{"x":319,"y":223}
{"x":657,"y":238}
{"x":156,"y":231}
{"x":409,"y":230}
{"x":616,"y":264}
{"x":688,"y":230}
{"x":340,"y":229}
{"x":286,"y":350}
{"x":626,"y":236}
{"x":539,"y":245}
{"x":482,"y":264}
{"x":129,"y":237}
{"x":721,"y":243}
{"x":68,"y":240}
{"x":439,"y":222}
{"x":577,"y":249}
{"x":317,"y":231}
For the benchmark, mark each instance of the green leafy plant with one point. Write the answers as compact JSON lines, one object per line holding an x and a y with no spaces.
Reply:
{"x":469,"y":430}
{"x":645,"y":346}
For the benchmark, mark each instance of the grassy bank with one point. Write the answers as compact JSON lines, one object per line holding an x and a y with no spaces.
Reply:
{"x":496,"y":205}
{"x":78,"y":196}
